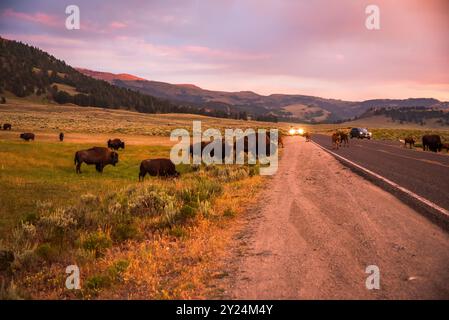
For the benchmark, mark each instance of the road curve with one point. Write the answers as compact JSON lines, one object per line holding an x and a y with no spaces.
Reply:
{"x":318,"y":225}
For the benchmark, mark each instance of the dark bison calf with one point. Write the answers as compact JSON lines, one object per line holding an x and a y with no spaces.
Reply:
{"x":410,"y":141}
{"x":157,"y":167}
{"x":431,"y":142}
{"x":61,"y":136}
{"x":98,"y":156}
{"x":7,"y":126}
{"x":116,"y":144}
{"x":27,"y":136}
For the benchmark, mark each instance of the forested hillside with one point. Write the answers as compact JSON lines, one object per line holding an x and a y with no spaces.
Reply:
{"x":26,"y":70}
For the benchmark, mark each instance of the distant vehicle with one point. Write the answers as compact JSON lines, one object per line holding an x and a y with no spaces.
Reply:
{"x":360,"y":133}
{"x":296,"y":131}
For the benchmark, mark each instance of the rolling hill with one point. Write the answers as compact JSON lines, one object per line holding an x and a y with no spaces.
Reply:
{"x":283,"y":106}
{"x":28,"y":71}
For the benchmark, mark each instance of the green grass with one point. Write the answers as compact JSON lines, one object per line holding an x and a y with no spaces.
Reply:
{"x":44,"y":171}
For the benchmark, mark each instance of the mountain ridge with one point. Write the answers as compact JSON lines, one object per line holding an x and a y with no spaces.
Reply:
{"x":284,"y":106}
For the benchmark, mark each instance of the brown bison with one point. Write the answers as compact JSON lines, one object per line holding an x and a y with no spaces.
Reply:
{"x":157,"y":167}
{"x":61,"y":136}
{"x":116,"y":144}
{"x":344,"y":138}
{"x":431,"y":142}
{"x":27,"y":136}
{"x":98,"y":156}
{"x":308,"y":136}
{"x":409,"y":141}
{"x":7,"y":126}
{"x":335,"y":140}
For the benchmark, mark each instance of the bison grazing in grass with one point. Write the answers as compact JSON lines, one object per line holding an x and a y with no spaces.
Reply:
{"x":157,"y":167}
{"x":98,"y":156}
{"x":7,"y":126}
{"x":27,"y":136}
{"x":116,"y":144}
{"x":431,"y":142}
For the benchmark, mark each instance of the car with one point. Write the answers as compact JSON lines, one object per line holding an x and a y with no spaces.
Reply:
{"x":296,"y":131}
{"x":360,"y":133}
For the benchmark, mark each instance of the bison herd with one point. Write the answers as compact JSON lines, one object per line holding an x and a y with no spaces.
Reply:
{"x":430,"y":142}
{"x":101,"y":157}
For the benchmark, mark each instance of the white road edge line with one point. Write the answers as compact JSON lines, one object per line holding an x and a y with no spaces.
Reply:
{"x":391,"y":183}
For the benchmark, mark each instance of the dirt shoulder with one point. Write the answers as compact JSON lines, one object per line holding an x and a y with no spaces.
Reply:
{"x":316,"y":228}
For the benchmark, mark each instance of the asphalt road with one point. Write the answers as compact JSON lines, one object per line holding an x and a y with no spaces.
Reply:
{"x":424,"y":173}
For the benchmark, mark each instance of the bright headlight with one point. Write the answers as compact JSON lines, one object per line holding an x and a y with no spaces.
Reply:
{"x":301,"y":131}
{"x":292,"y":131}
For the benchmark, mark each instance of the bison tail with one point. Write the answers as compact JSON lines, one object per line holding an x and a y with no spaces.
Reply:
{"x":76,"y":158}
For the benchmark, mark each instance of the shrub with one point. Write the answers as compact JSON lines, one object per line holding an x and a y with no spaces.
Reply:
{"x":57,"y":226}
{"x":97,"y":242}
{"x":46,"y":252}
{"x":124,"y":231}
{"x":205,"y":209}
{"x":97,"y":282}
{"x":150,"y":203}
{"x":24,"y":236}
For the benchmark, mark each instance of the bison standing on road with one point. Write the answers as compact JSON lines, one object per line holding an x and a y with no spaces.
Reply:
{"x":157,"y":167}
{"x":344,"y":138}
{"x":410,"y":141}
{"x":431,"y":142}
{"x":7,"y":126}
{"x":308,"y":136}
{"x":335,"y":140}
{"x":27,"y":136}
{"x":116,"y":144}
{"x":61,"y":136}
{"x":98,"y":156}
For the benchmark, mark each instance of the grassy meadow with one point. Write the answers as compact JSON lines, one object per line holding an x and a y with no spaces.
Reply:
{"x":160,"y":239}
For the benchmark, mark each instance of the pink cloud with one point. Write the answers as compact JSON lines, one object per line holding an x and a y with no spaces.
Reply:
{"x":38,"y":17}
{"x":117,"y":25}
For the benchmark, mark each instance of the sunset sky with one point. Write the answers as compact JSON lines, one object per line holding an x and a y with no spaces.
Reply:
{"x":318,"y":47}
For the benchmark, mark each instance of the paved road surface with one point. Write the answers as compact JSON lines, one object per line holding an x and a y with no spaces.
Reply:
{"x":424,"y":173}
{"x":310,"y":237}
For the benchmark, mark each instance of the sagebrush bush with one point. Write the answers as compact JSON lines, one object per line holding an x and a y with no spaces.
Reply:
{"x":96,"y":242}
{"x":24,"y":236}
{"x":58,"y":225}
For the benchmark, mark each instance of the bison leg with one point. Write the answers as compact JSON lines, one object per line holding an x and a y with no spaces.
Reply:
{"x":78,"y":167}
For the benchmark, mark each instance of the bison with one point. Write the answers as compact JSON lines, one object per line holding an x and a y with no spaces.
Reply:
{"x":98,"y":156}
{"x":410,"y":141}
{"x":61,"y":136}
{"x":157,"y":167}
{"x":431,"y":142}
{"x":308,"y":136}
{"x":7,"y":126}
{"x":335,"y":140}
{"x":27,"y":136}
{"x":116,"y":144}
{"x":344,"y":138}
